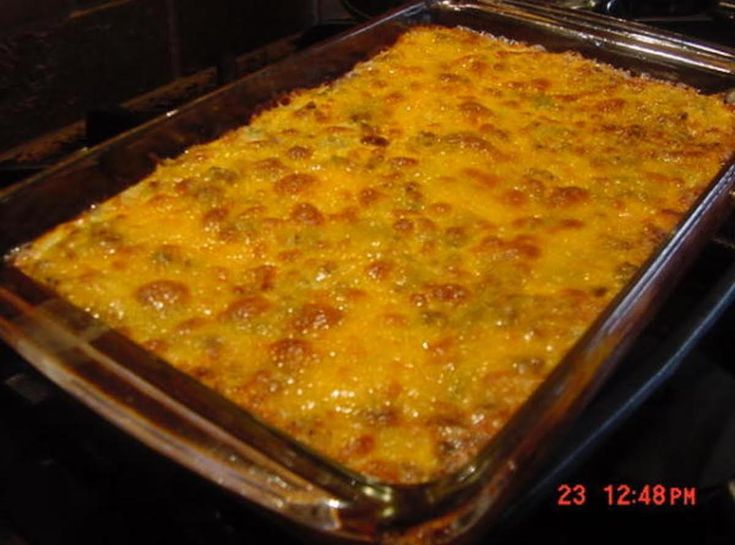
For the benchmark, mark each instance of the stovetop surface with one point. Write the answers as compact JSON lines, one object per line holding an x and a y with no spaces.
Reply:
{"x":67,"y":477}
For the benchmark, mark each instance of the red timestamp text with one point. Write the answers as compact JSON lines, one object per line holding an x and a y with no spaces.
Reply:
{"x":625,"y":495}
{"x":571,"y":494}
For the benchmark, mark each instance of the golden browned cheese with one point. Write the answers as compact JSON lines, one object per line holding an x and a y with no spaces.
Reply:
{"x":386,"y":266}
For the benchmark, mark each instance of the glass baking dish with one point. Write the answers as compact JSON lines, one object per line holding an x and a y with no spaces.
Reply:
{"x":187,"y":422}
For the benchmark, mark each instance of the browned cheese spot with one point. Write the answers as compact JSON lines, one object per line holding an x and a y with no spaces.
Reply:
{"x":299,"y":152}
{"x":270,"y":168}
{"x":403,"y":225}
{"x":245,"y":309}
{"x":307,"y":213}
{"x":162,"y":295}
{"x":403,"y":162}
{"x":189,"y":326}
{"x":313,"y":317}
{"x":368,"y":196}
{"x":610,"y":105}
{"x":485,"y":179}
{"x":440,"y":208}
{"x":375,"y":140}
{"x":563,"y":197}
{"x":259,"y":388}
{"x":379,"y":269}
{"x":473,"y":108}
{"x":448,"y":293}
{"x":468,"y":141}
{"x":571,"y":223}
{"x":262,"y":277}
{"x":168,"y":254}
{"x":456,"y":236}
{"x":519,"y":248}
{"x":291,"y":354}
{"x":359,"y":447}
{"x":293,"y":184}
{"x":514,"y":198}
{"x":213,"y":218}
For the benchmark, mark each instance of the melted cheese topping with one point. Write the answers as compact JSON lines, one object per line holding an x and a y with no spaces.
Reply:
{"x":386,"y":266}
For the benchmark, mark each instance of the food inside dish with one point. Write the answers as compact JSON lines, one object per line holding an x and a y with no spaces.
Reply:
{"x":386,"y":266}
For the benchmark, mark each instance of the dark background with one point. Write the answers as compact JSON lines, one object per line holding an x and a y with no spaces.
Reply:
{"x":59,"y":58}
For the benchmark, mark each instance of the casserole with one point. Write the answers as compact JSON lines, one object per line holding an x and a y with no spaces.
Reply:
{"x":386,"y":267}
{"x":185,"y":421}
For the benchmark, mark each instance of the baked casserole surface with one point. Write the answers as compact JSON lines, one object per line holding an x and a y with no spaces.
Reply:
{"x":386,"y":266}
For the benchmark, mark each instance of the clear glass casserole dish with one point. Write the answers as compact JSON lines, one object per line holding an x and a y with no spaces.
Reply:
{"x":189,"y":423}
